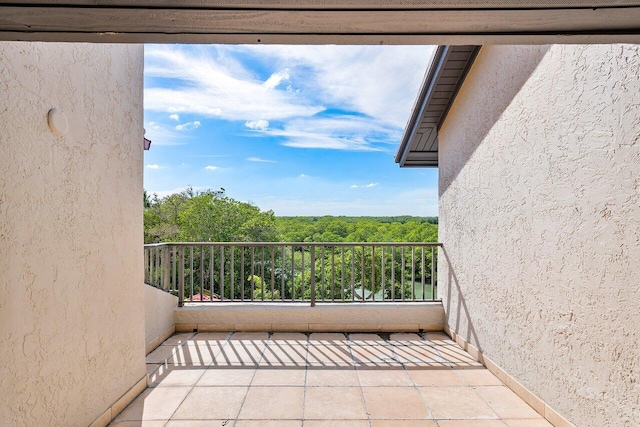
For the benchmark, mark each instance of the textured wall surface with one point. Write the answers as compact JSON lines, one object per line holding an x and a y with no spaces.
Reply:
{"x":158,"y":309}
{"x":540,"y":218}
{"x":71,"y":311}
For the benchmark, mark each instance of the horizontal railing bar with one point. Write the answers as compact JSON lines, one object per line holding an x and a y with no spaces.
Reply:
{"x":316,"y":244}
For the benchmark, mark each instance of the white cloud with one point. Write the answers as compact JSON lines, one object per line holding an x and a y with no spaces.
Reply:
{"x":379,"y":81}
{"x":156,"y":167}
{"x":257,"y":124}
{"x":211,"y":82}
{"x":258,"y":159}
{"x":370,"y":185}
{"x":160,"y":135}
{"x":189,"y":125}
{"x":351,"y":133}
{"x":303,"y":176}
{"x":377,"y":85}
{"x":175,"y":117}
{"x":212,"y":168}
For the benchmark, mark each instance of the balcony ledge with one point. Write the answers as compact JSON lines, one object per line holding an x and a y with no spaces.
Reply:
{"x":301,"y":317}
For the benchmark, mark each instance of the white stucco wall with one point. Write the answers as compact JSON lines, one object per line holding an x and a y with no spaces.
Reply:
{"x":71,"y":311}
{"x":540,"y":219}
{"x":158,"y":308}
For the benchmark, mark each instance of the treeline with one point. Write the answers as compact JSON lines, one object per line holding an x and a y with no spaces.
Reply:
{"x":212,"y":216}
{"x":357,"y":229}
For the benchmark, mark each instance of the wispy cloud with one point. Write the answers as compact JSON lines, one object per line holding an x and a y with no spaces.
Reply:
{"x":159,"y":134}
{"x":212,"y":168}
{"x":174,"y":117}
{"x":370,"y":185}
{"x":211,"y":82}
{"x":258,"y":159}
{"x":155,"y":167}
{"x":257,"y":124}
{"x":351,"y":133}
{"x":376,"y":84}
{"x":189,"y":125}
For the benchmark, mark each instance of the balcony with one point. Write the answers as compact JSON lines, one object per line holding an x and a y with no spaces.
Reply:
{"x":321,"y":379}
{"x":317,"y":334}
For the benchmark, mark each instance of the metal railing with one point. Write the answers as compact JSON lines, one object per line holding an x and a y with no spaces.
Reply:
{"x":294,"y":272}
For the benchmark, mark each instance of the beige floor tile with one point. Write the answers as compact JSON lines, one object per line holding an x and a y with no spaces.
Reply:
{"x":387,"y":403}
{"x":456,"y":356}
{"x":288,"y":338}
{"x":426,"y":377}
{"x":200,"y":423}
{"x":374,"y":355}
{"x":403,"y":423}
{"x":539,"y":422}
{"x":377,"y":377}
{"x":506,"y":403}
{"x":455,"y":403}
{"x":172,"y":376}
{"x":479,"y":376}
{"x":227,"y":377}
{"x":329,"y":355}
{"x":255,"y":337}
{"x":470,"y":423}
{"x":218,"y":338}
{"x":199,"y":353}
{"x":279,"y":377}
{"x":336,"y":423}
{"x":217,"y":403}
{"x":284,"y":355}
{"x":277,"y":403}
{"x":151,"y":367}
{"x":335,"y":403}
{"x":179,"y":338}
{"x":138,"y":424}
{"x":239,"y":353}
{"x":268,"y":423}
{"x":154,"y":404}
{"x":407,"y":339}
{"x":332,"y":377}
{"x":438,"y":338}
{"x":366,"y":339}
{"x":163,"y":352}
{"x":417,"y":354}
{"x":328,"y":338}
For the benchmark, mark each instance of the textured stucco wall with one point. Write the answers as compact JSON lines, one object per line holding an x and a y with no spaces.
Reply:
{"x":158,"y":309}
{"x":540,"y":218}
{"x":71,"y":310}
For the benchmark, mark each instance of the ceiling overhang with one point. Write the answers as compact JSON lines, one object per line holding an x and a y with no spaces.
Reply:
{"x":435,"y":22}
{"x":449,"y":67}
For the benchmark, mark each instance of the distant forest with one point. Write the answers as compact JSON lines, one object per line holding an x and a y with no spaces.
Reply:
{"x":212,"y":216}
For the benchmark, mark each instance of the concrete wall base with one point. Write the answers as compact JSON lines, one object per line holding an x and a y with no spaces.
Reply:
{"x":299,"y":317}
{"x":531,"y":399}
{"x":119,"y":405}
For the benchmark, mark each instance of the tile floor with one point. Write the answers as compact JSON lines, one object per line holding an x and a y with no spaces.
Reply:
{"x":321,"y":379}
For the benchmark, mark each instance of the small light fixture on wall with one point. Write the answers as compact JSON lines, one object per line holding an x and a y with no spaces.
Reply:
{"x":147,"y":143}
{"x":57,"y":122}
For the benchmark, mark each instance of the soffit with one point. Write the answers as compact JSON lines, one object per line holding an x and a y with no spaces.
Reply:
{"x":419,"y":143}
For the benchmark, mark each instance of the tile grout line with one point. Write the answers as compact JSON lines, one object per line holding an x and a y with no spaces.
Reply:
{"x":196,"y":382}
{"x":255,"y":371}
{"x":415,"y":387}
{"x":355,"y":367}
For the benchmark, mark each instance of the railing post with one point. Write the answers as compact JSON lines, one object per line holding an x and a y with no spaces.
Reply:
{"x":166,"y":267}
{"x":312,"y":252}
{"x":181,"y":277}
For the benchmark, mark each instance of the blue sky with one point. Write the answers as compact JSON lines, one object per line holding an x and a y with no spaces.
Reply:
{"x":301,"y":130}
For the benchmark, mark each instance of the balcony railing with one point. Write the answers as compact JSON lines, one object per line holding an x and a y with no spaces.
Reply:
{"x":294,"y":272}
